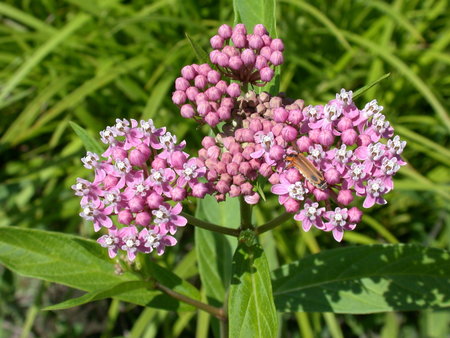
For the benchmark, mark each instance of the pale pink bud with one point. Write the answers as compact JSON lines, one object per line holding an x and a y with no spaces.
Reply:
{"x":314,"y":135}
{"x":280,"y":115}
{"x":227,"y":102}
{"x":213,"y":152}
{"x":292,"y":206}
{"x":345,"y":197}
{"x":254,"y":164}
{"x":187,"y":111}
{"x":245,"y":168}
{"x":289,"y":133}
{"x":230,"y":51}
{"x":235,"y":62}
{"x":277,"y":44}
{"x":354,"y":215}
{"x":224,"y":113}
{"x":234,"y":90}
{"x":178,"y":194}
{"x":200,"y":81}
{"x":265,"y":170}
{"x":321,"y":195}
{"x":246,"y":188}
{"x":125,"y":216}
{"x":240,"y":28}
{"x":266,"y":52}
{"x":248,"y":150}
{"x":188,"y":72}
{"x":179,"y":97}
{"x":178,"y":158}
{"x":213,"y":76}
{"x":143,"y":218}
{"x":181,"y":84}
{"x":136,"y":204}
{"x":247,"y":135}
{"x":208,"y":141}
{"x":213,"y":94}
{"x":349,"y":137}
{"x":213,"y":56}
{"x":225,"y":31}
{"x":203,"y":108}
{"x":199,"y":190}
{"x":216,"y":42}
{"x":255,"y":41}
{"x":222,"y":59}
{"x":259,"y":29}
{"x":255,"y":125}
{"x":332,"y":176}
{"x":222,"y":187}
{"x":276,"y":152}
{"x":212,"y":175}
{"x":192,"y":93}
{"x":326,"y":138}
{"x":239,"y":40}
{"x":252,"y":198}
{"x":204,"y":69}
{"x":232,"y":168}
{"x":266,"y":74}
{"x":238,"y":179}
{"x":137,"y":158}
{"x":292,"y":175}
{"x":303,"y":143}
{"x":295,"y":116}
{"x":248,"y":57}
{"x":154,"y":200}
{"x":235,"y":191}
{"x":260,"y":62}
{"x":235,"y":148}
{"x":344,"y":124}
{"x":276,"y":58}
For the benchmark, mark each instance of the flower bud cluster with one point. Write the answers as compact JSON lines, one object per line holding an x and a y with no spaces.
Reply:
{"x":209,"y":95}
{"x":138,"y":186}
{"x":247,"y":58}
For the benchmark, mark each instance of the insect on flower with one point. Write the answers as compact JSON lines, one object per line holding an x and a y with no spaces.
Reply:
{"x":308,"y":170}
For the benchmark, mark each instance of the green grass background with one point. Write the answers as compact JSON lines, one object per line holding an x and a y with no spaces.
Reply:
{"x":92,"y":61}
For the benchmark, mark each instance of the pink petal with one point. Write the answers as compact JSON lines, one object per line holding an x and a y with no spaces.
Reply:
{"x":369,"y":201}
{"x":279,"y":189}
{"x":178,"y":220}
{"x":338,"y":234}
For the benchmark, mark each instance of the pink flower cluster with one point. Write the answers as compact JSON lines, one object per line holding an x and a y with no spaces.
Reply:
{"x":203,"y":94}
{"x":340,"y":141}
{"x":138,"y":187}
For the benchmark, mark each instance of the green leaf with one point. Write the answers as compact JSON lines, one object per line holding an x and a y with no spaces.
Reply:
{"x":251,"y":309}
{"x":41,"y":52}
{"x":82,"y":264}
{"x":364,"y":89}
{"x":365,"y":279}
{"x":98,"y":295}
{"x":214,"y":251}
{"x":200,"y":53}
{"x":90,"y":143}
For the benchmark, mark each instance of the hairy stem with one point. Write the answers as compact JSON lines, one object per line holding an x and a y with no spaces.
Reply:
{"x":215,"y":311}
{"x":210,"y":226}
{"x":273,"y":223}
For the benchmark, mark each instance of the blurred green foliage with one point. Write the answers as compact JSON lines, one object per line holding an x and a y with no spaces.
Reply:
{"x":94,"y":61}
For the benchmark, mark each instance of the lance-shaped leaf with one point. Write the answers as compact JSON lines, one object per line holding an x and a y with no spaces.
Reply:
{"x":365,"y":279}
{"x":251,"y":308}
{"x":83,"y":264}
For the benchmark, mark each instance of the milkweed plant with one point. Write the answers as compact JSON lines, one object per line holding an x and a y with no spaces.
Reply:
{"x":135,"y":200}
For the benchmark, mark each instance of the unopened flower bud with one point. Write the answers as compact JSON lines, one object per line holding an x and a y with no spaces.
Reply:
{"x":332,"y":176}
{"x":354,"y":215}
{"x":178,"y":194}
{"x":125,"y":216}
{"x":143,"y":218}
{"x":349,"y":137}
{"x":345,"y":197}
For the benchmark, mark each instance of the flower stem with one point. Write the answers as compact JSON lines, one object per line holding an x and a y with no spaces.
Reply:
{"x":273,"y":223}
{"x":246,"y":214}
{"x":215,"y":311}
{"x":210,"y":226}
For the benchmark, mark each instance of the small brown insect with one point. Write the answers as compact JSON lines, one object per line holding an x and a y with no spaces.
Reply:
{"x":308,"y":170}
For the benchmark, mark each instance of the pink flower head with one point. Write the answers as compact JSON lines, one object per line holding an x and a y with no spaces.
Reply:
{"x":310,"y":215}
{"x":111,"y":241}
{"x":168,"y":219}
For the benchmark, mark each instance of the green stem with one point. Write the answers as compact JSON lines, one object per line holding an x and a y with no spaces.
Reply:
{"x":215,"y":311}
{"x":246,"y":214}
{"x":273,"y":223}
{"x":210,"y":226}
